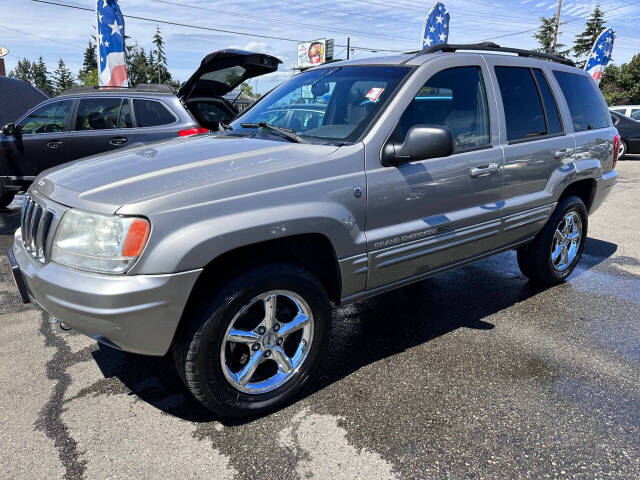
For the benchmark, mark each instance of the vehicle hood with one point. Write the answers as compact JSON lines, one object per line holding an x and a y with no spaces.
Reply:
{"x":104,"y":183}
{"x":221,"y":72}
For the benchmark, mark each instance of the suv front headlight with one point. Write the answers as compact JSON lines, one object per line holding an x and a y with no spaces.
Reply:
{"x":100,"y":243}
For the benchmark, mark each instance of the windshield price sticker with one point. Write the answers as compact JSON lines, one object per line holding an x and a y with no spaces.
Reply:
{"x":374,"y":94}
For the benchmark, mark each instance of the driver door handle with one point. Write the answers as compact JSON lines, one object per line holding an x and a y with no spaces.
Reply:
{"x":484,"y":170}
{"x":118,"y":141}
{"x":55,"y":144}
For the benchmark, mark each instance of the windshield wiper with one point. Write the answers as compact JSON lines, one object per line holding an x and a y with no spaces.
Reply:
{"x":287,"y":133}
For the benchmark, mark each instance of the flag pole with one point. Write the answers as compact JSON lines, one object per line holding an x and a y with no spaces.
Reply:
{"x":555,"y":33}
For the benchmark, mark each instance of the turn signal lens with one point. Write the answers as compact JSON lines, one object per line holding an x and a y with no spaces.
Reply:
{"x":136,"y":238}
{"x":192,"y":131}
{"x":616,"y":150}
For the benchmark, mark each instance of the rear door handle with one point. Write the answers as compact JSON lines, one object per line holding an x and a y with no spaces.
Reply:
{"x":564,"y":153}
{"x":118,"y":141}
{"x":484,"y":170}
{"x":55,"y":144}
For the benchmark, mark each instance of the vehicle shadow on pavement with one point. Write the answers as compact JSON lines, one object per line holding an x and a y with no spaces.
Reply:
{"x":363,"y":333}
{"x":9,"y":221}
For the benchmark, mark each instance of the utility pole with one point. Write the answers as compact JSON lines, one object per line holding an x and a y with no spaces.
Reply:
{"x":348,"y":46}
{"x":555,"y":34}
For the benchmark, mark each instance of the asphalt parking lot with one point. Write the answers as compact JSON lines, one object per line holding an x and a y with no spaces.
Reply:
{"x":472,"y":374}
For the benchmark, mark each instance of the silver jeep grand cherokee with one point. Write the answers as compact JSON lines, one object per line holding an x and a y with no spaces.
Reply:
{"x":344,"y":182}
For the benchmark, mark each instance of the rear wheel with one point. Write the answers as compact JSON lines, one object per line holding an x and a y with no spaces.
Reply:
{"x":251,"y":347}
{"x":551,"y":257}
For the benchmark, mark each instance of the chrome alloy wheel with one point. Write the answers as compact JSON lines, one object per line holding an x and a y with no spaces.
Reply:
{"x":566,"y":241}
{"x":267,"y":342}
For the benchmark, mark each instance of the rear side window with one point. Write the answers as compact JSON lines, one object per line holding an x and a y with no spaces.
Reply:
{"x":554,"y":123}
{"x":587,"y":111}
{"x":454,"y":98}
{"x":150,"y":113}
{"x":523,"y":108}
{"x":635,"y":114}
{"x":98,"y":114}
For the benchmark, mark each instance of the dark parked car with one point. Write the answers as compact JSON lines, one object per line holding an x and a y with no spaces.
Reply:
{"x":629,"y":130}
{"x":88,"y":121}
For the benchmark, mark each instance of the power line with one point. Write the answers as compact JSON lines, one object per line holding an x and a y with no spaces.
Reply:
{"x":274,"y":20}
{"x":211,"y":29}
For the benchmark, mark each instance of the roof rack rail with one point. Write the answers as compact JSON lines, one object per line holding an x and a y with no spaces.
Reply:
{"x":494,"y":47}
{"x":144,"y":87}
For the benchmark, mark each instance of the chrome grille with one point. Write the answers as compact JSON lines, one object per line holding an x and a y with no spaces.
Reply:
{"x":35,"y":224}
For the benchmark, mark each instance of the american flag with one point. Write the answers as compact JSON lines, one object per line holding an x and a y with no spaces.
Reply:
{"x":436,"y":26}
{"x":112,"y":68}
{"x":600,"y":55}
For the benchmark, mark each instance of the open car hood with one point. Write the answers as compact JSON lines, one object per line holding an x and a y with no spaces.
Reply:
{"x":222,"y":71}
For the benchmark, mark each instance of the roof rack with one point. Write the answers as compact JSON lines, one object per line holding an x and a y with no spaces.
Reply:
{"x":144,"y":87}
{"x":494,"y":47}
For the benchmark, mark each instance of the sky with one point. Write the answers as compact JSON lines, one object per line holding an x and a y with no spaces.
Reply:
{"x":29,"y":29}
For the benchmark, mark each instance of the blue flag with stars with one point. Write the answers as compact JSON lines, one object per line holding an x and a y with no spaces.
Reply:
{"x":600,"y":55}
{"x":112,"y":67}
{"x":436,"y":26}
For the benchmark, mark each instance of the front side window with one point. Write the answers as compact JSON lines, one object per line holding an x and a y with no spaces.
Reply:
{"x":99,"y":114}
{"x":635,"y":114}
{"x":150,"y":113}
{"x":585,"y":105}
{"x":50,"y":118}
{"x":326,"y":105}
{"x":455,"y":98}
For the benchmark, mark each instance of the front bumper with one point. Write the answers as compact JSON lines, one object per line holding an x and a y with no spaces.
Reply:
{"x":604,"y":184}
{"x":136,"y":313}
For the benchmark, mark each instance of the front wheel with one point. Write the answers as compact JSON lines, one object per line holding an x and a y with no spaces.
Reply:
{"x":551,"y":257}
{"x":250,"y":348}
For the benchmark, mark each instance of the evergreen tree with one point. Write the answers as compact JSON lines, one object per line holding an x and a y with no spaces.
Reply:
{"x":152,"y":68}
{"x":161,"y":72}
{"x":545,"y":35}
{"x":23,"y":70}
{"x":62,"y":78}
{"x":584,"y":42}
{"x":138,"y":66}
{"x":89,"y":65}
{"x":40,"y":76}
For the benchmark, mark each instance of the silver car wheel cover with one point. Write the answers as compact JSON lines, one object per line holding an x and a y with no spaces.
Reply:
{"x":266,"y":342}
{"x":566,"y":241}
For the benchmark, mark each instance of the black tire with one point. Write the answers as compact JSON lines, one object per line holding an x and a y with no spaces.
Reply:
{"x":6,"y":197}
{"x":196,"y":348}
{"x":534,"y":259}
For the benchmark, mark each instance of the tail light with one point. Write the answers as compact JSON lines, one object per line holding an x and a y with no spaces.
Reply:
{"x":192,"y":131}
{"x":616,"y":150}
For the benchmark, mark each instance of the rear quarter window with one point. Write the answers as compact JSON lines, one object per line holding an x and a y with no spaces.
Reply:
{"x":150,"y":113}
{"x":585,"y":105}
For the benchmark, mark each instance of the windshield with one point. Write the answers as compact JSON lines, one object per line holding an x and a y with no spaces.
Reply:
{"x":326,"y":105}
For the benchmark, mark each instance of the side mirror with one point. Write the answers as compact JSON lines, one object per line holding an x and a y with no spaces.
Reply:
{"x":9,"y":129}
{"x":422,"y":142}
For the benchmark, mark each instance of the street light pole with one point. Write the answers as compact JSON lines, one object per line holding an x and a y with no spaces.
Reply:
{"x":555,"y":34}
